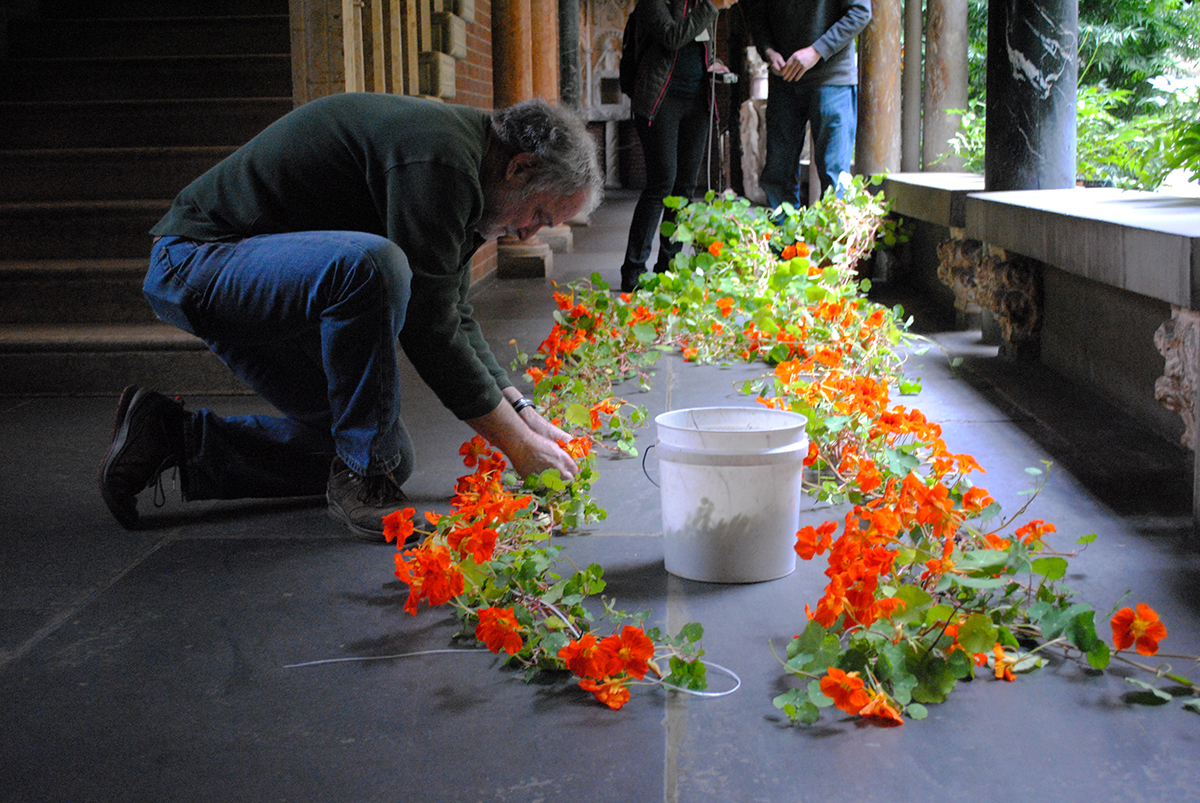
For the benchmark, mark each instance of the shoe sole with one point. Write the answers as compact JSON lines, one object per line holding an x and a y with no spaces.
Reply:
{"x":126,"y":515}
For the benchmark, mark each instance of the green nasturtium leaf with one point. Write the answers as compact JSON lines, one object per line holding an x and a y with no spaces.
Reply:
{"x":1052,"y":568}
{"x":977,"y":633}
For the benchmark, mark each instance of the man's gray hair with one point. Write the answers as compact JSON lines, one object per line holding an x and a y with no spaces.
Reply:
{"x":566,"y":151}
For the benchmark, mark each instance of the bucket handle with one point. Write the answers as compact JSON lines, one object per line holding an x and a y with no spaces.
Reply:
{"x":644,"y":471}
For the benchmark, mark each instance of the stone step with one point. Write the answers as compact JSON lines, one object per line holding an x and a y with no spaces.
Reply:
{"x":137,"y":123}
{"x":97,"y":174}
{"x":66,"y":230}
{"x":159,"y":8}
{"x":152,"y":36}
{"x":86,"y":360}
{"x":146,"y":77}
{"x":75,"y":290}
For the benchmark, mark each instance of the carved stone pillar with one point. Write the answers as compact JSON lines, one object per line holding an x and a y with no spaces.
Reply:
{"x":946,"y":43}
{"x":1007,"y":285}
{"x":1178,"y":340}
{"x":1032,"y":75}
{"x":877,"y":148}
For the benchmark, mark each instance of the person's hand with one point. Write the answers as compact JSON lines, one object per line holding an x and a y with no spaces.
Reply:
{"x":527,"y":439}
{"x":534,"y":454}
{"x":799,"y":63}
{"x":776,"y":60}
{"x":723,"y":4}
{"x":717,"y":67}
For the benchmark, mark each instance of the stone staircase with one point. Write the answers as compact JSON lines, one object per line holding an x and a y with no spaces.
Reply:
{"x":106,"y":111}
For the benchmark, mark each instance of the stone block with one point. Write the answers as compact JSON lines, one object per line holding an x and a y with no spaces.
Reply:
{"x":436,"y":74}
{"x":528,"y":260}
{"x":464,"y":9}
{"x":449,"y":34}
{"x":559,"y":238}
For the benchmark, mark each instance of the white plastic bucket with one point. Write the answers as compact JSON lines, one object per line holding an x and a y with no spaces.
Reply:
{"x":730,"y":484}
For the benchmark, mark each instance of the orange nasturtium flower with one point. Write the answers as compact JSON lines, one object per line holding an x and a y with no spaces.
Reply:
{"x":1032,"y":532}
{"x":613,"y":692}
{"x":715,"y":247}
{"x":1142,"y":628}
{"x":846,"y":690}
{"x":473,"y":449}
{"x":1003,"y":666}
{"x":398,"y":526}
{"x":589,"y":658}
{"x":880,"y":710}
{"x":812,"y":541}
{"x":499,"y":630}
{"x":633,"y":649}
{"x":432,"y":574}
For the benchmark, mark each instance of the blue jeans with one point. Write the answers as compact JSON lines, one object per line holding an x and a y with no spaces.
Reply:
{"x":832,"y":111}
{"x":309,"y":320}
{"x":673,"y":148}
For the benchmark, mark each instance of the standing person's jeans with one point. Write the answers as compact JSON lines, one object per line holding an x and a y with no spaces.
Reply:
{"x":309,"y":320}
{"x":833,"y":113}
{"x":673,"y":147}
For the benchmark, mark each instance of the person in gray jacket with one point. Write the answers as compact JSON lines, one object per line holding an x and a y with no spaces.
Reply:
{"x":809,"y":47}
{"x":671,"y":106}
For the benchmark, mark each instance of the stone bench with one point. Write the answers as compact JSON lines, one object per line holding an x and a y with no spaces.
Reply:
{"x":1099,"y":284}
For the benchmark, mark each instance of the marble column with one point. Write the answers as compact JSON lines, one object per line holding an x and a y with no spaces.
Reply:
{"x":513,"y":82}
{"x":877,"y":148}
{"x":910,"y":81}
{"x":1032,"y":75}
{"x":946,"y":41}
{"x":570,"y":81}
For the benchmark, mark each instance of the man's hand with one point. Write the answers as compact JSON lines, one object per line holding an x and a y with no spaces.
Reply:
{"x":723,"y":4}
{"x":797,"y":64}
{"x":527,"y":439}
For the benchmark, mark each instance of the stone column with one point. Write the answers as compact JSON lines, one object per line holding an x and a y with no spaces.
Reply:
{"x":544,"y":20}
{"x":910,"y":78}
{"x":1032,"y":75}
{"x":512,"y":82}
{"x":544,"y":30}
{"x":512,"y":52}
{"x":570,"y":80}
{"x":946,"y":43}
{"x":878,"y":144}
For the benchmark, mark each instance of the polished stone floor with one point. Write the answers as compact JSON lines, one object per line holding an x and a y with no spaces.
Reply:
{"x":154,"y":665}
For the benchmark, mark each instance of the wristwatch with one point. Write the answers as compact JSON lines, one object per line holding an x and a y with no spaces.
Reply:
{"x":523,"y":402}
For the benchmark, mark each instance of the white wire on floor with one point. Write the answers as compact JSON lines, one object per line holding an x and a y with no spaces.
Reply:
{"x":670,"y":686}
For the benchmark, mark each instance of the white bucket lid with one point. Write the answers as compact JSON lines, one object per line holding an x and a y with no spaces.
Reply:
{"x":731,"y":429}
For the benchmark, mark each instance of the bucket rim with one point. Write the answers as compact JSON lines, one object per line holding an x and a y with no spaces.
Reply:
{"x":796,"y":420}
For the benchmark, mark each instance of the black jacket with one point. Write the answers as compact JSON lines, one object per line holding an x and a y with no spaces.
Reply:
{"x":664,"y":26}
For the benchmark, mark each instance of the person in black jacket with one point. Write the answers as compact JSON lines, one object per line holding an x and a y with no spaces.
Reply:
{"x":671,"y":109}
{"x":809,"y":47}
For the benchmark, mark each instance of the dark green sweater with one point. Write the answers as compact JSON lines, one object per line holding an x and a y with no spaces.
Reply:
{"x":404,"y":168}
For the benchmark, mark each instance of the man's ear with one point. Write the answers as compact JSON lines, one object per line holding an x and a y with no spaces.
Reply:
{"x":522,"y":166}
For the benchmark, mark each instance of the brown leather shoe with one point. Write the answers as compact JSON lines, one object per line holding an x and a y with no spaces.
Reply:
{"x":360,"y":502}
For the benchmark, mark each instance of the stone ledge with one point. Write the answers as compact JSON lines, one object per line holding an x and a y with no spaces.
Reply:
{"x":1142,"y":242}
{"x":932,"y":197}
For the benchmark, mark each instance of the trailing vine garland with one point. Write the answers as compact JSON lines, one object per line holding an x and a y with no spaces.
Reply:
{"x":929,"y":581}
